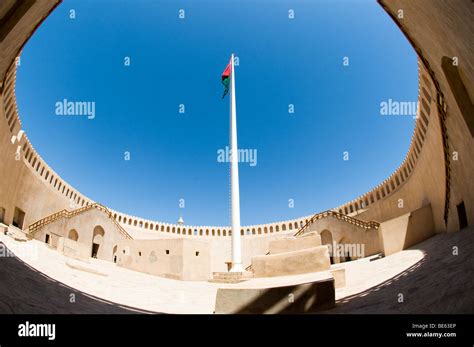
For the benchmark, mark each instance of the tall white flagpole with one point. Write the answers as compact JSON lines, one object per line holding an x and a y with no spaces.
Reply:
{"x":234,"y":172}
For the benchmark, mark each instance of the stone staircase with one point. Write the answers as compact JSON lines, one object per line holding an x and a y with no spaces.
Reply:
{"x":351,"y":220}
{"x":230,"y":277}
{"x":34,"y":227}
{"x":334,"y":214}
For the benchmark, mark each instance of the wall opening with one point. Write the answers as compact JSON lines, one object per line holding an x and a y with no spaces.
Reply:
{"x":462,"y":215}
{"x":46,"y":239}
{"x":97,"y":240}
{"x":346,"y":256}
{"x":344,"y":252}
{"x":114,"y":253}
{"x":326,"y":239}
{"x":2,"y":215}
{"x":95,"y":250}
{"x":18,"y":218}
{"x":73,"y":235}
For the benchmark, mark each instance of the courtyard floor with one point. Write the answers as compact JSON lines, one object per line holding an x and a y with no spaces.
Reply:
{"x":429,"y":276}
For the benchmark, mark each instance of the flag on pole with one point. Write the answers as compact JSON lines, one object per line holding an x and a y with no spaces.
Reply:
{"x":226,"y":79}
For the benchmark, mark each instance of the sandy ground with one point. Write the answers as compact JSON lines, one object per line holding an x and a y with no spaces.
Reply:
{"x":429,"y":276}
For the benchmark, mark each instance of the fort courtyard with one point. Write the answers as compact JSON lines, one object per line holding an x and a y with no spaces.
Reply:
{"x":404,"y":246}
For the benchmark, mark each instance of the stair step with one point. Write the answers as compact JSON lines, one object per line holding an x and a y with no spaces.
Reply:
{"x":230,"y":277}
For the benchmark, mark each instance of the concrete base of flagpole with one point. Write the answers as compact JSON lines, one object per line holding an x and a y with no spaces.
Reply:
{"x":237,"y":267}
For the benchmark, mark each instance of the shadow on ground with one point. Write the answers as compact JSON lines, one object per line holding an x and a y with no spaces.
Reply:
{"x":441,"y":282}
{"x":25,"y":290}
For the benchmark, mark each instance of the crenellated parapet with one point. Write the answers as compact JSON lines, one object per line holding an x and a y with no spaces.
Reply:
{"x":424,"y":176}
{"x":75,"y":199}
{"x":396,"y":180}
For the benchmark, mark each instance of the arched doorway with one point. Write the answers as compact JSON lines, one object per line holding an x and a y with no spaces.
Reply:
{"x":114,"y":254}
{"x":18,"y":218}
{"x":326,"y":239}
{"x":97,"y":240}
{"x":345,"y":250}
{"x":73,"y":235}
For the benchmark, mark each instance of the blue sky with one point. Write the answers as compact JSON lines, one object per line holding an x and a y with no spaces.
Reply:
{"x":179,"y":61}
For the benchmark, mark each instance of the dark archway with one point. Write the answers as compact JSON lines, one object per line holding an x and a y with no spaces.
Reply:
{"x":326,"y":239}
{"x":97,"y":240}
{"x":114,"y":254}
{"x":462,"y":215}
{"x":345,"y":253}
{"x":18,"y":218}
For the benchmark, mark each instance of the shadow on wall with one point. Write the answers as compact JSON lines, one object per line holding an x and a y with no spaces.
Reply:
{"x":407,"y":230}
{"x":459,"y":90}
{"x":420,"y":226}
{"x":294,"y":299}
